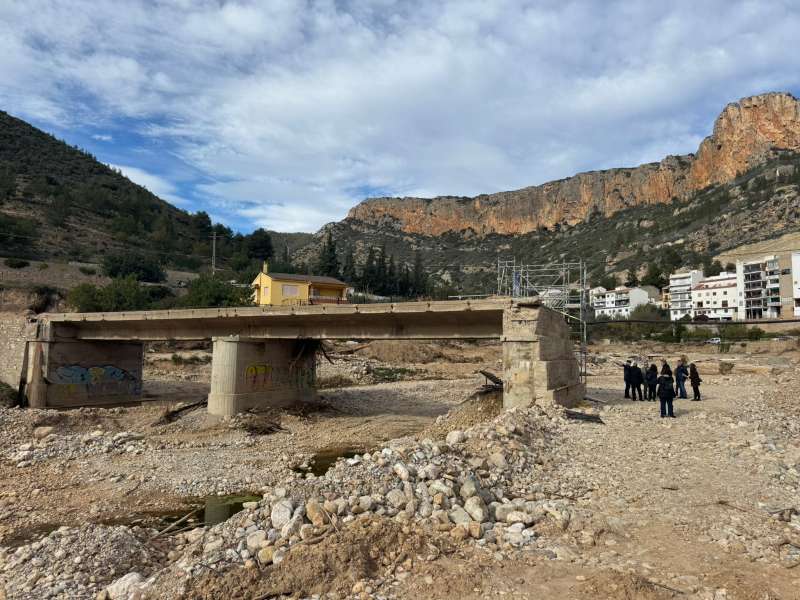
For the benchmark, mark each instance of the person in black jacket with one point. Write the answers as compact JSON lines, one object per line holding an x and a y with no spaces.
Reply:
{"x":626,"y":370}
{"x":651,"y":381}
{"x":666,"y":391}
{"x":681,"y":375}
{"x":694,"y":379}
{"x":637,"y":379}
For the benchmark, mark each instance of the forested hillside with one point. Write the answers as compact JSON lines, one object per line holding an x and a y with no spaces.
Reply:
{"x":59,"y":202}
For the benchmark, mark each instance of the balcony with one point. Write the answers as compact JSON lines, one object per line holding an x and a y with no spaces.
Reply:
{"x":327,"y":300}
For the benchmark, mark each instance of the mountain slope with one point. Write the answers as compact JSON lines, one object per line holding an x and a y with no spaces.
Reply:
{"x":746,"y":134}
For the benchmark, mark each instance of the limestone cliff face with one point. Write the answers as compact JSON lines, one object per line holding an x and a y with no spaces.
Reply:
{"x":744,"y":135}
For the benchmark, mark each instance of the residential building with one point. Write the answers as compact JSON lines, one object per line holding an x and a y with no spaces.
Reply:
{"x":664,"y":304}
{"x":766,"y":287}
{"x":621,"y":301}
{"x":680,"y":293}
{"x":715,"y":298}
{"x":796,"y":283}
{"x":280,"y":289}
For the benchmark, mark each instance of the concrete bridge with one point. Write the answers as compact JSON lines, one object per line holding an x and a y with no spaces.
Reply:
{"x":266,"y":356}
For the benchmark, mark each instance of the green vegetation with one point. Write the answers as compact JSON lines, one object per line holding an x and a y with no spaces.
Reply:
{"x":209,"y":291}
{"x":16,"y":263}
{"x":391,"y":374}
{"x":87,"y":270}
{"x":138,"y":266}
{"x":177,"y":359}
{"x":126,"y":293}
{"x":119,"y":295}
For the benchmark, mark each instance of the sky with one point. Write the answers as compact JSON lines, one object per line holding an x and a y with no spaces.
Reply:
{"x":284,"y":114}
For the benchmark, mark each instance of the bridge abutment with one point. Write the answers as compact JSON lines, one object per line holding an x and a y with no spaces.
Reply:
{"x":61,"y":374}
{"x":248,"y":373}
{"x":538,"y":360}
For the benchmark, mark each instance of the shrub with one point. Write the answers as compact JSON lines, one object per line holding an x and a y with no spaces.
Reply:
{"x":119,"y":295}
{"x":87,"y":270}
{"x":127,"y":264}
{"x":208,"y":291}
{"x":16,"y":263}
{"x":43,"y":266}
{"x":755,"y":333}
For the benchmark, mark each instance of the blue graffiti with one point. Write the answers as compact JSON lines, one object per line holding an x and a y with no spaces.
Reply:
{"x":91,"y":375}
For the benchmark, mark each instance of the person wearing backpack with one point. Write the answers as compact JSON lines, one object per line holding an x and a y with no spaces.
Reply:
{"x":694,"y":379}
{"x":666,"y":391}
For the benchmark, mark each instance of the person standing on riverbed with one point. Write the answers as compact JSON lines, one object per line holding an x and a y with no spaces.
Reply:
{"x":626,"y":373}
{"x":694,"y":379}
{"x":651,"y":381}
{"x":666,"y":391}
{"x":681,"y":375}
{"x":637,"y":379}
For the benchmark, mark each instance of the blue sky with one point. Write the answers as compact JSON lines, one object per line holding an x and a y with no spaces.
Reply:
{"x":284,"y":114}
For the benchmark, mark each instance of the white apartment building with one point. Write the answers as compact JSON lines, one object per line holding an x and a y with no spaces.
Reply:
{"x":716,"y":298}
{"x":759,"y":288}
{"x":619,"y":302}
{"x":680,"y":293}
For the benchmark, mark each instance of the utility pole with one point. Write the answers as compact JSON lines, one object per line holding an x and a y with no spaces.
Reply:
{"x":213,"y":253}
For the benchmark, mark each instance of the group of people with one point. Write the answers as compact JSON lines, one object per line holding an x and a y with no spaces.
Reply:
{"x":662,"y":385}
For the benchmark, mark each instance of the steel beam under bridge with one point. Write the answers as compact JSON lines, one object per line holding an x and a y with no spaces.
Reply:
{"x":463,"y":319}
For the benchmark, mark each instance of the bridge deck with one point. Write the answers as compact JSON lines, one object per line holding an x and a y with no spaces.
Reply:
{"x":403,"y":320}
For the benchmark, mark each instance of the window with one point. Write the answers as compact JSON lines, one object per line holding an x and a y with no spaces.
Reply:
{"x":289,"y":291}
{"x":724,"y":304}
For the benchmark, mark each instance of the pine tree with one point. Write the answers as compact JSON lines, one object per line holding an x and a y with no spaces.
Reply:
{"x":419,"y":281}
{"x":327,"y":263}
{"x":368,"y":278}
{"x":380,"y":271}
{"x":391,"y":277}
{"x":286,"y":260}
{"x":349,"y":267}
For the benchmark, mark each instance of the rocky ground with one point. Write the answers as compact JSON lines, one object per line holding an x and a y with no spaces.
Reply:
{"x":441,"y":494}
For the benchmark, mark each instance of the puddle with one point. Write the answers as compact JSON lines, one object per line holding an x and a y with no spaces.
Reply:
{"x":322,"y":461}
{"x":209,"y":511}
{"x":221,"y":508}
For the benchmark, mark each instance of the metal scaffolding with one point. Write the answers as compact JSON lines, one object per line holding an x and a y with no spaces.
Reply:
{"x":561,"y":286}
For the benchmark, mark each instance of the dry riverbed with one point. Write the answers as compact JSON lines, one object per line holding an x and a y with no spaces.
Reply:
{"x":436,"y":496}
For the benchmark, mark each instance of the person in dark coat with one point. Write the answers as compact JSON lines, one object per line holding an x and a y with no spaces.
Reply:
{"x":637,"y":379}
{"x":694,"y":379}
{"x":666,"y":391}
{"x":681,"y":375}
{"x":626,"y":370}
{"x":651,"y":382}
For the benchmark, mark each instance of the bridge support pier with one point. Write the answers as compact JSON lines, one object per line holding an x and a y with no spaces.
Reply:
{"x":83,"y":373}
{"x":538,"y":359}
{"x":248,"y":373}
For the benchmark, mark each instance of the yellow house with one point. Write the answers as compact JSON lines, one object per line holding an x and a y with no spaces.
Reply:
{"x":280,"y":289}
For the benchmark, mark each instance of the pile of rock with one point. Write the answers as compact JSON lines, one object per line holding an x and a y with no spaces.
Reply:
{"x":47,"y":444}
{"x":482,"y":484}
{"x":75,"y":563}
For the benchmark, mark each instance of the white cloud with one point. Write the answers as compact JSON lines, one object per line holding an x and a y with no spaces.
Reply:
{"x":103,"y":137}
{"x":160,"y":186}
{"x":293,"y":108}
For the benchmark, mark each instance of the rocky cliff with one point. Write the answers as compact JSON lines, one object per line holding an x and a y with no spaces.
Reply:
{"x":744,"y":135}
